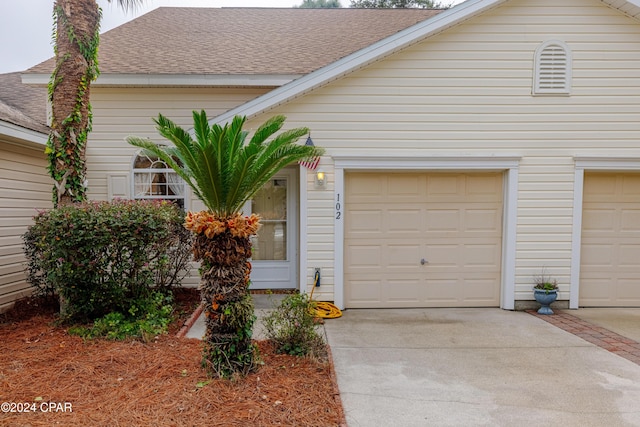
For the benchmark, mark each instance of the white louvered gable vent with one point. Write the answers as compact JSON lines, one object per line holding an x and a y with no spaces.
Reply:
{"x":552,"y":74}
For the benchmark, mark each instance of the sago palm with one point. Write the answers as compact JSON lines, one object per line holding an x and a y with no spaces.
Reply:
{"x":225,"y":170}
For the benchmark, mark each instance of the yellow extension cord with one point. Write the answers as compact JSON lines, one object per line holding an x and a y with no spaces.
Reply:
{"x":322,"y":309}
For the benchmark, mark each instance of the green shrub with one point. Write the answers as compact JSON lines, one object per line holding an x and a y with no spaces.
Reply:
{"x":293,"y":328}
{"x":99,"y":257}
{"x":147,"y":318}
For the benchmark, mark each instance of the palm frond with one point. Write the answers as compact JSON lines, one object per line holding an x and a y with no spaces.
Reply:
{"x":268,"y":128}
{"x":222,"y":169}
{"x":182,"y":140}
{"x":201,"y":126}
{"x":166,"y":154}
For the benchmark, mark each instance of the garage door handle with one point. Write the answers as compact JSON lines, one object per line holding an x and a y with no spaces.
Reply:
{"x":424,"y":261}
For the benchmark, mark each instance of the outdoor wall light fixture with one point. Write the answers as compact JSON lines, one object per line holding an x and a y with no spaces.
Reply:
{"x":321,"y":178}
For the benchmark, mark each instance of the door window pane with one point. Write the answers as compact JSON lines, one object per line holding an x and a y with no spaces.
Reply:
{"x":271,"y":204}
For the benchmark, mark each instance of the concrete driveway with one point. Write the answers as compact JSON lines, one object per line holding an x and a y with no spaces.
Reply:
{"x":476,"y":367}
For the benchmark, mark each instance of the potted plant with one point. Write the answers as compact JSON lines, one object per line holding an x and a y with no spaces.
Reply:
{"x":545,"y":291}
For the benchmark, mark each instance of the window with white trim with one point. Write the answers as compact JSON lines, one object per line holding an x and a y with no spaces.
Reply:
{"x":552,"y":74}
{"x":153,"y":179}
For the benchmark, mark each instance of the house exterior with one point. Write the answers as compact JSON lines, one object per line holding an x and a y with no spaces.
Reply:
{"x":24,"y":183}
{"x":465,"y":152}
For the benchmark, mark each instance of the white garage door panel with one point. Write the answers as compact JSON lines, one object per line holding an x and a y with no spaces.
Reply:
{"x":628,"y":255}
{"x":629,"y":220}
{"x":452,"y":221}
{"x":610,"y":258}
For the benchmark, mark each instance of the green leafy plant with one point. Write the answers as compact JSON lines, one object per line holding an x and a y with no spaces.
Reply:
{"x":69,"y":99}
{"x":293,"y":328}
{"x":76,"y":37}
{"x":98,"y":257}
{"x":145,"y":319}
{"x":545,"y":282}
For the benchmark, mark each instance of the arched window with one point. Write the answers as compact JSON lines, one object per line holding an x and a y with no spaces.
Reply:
{"x":153,"y":179}
{"x":552,"y":74}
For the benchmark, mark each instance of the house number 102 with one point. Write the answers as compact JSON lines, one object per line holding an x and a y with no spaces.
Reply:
{"x":338,"y":207}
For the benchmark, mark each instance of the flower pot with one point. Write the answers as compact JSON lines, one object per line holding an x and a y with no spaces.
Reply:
{"x":545,"y":298}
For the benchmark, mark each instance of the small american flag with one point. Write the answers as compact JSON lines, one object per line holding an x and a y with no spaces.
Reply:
{"x":312,"y":162}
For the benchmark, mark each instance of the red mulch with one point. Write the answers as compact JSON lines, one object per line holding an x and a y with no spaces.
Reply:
{"x":114,"y":383}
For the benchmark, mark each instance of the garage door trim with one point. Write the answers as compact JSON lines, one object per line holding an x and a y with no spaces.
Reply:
{"x":509,"y":164}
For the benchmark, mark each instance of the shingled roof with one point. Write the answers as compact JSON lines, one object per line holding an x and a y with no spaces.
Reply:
{"x":22,"y":105}
{"x":243,"y":41}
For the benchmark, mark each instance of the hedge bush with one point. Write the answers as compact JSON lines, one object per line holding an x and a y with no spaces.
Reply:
{"x":99,"y":257}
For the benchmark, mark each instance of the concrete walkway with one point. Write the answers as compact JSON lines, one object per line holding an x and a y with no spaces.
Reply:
{"x":477,"y":367}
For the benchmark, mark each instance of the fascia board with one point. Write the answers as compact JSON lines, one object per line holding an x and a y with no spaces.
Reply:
{"x":18,"y":132}
{"x":628,"y":7}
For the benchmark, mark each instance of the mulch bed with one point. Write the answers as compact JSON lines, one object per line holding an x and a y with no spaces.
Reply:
{"x":64,"y":380}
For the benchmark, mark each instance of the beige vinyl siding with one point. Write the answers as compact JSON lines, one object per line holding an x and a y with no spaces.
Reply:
{"x":25,"y":187}
{"x":467,"y":92}
{"x":319,"y":234}
{"x":120,"y":112}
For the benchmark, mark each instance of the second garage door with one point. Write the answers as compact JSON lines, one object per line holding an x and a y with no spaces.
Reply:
{"x":610,"y":270}
{"x":423,"y":240}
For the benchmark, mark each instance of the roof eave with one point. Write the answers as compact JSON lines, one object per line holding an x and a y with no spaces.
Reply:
{"x":176,"y":80}
{"x":23,"y":134}
{"x":625,"y":6}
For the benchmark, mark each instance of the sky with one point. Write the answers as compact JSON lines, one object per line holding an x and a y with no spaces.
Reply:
{"x":26,"y":25}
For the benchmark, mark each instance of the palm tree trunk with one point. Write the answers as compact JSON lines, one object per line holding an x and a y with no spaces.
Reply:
{"x":77,"y":29}
{"x":228,"y":306}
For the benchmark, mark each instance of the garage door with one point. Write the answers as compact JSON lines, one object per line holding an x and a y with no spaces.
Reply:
{"x":422,"y":240}
{"x":610,"y":258}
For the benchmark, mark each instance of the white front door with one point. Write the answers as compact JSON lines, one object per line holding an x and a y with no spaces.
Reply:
{"x":274,"y":258}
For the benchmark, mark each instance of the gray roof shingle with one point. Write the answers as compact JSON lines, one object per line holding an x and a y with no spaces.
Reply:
{"x":23,"y":105}
{"x":243,"y":41}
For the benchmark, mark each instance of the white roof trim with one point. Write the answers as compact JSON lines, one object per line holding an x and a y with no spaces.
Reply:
{"x":376,"y":51}
{"x":14,"y":131}
{"x":120,"y":80}
{"x":628,"y":7}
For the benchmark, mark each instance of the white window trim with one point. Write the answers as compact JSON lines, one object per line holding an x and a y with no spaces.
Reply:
{"x":509,"y":164}
{"x":538,"y":89}
{"x":582,"y":164}
{"x":132,"y":183}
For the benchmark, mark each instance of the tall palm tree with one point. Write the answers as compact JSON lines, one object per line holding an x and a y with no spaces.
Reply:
{"x":225,"y":171}
{"x":77,"y":26}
